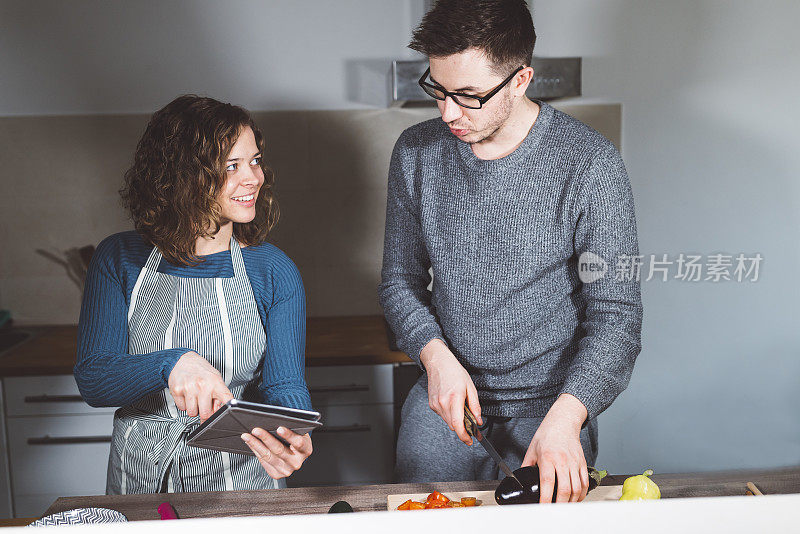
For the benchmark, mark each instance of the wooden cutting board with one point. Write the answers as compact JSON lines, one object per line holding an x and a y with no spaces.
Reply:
{"x":486,"y":498}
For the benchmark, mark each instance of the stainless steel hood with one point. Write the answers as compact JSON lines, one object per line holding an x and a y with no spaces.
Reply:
{"x":554,"y":77}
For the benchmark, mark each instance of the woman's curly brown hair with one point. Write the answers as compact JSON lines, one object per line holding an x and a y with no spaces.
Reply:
{"x":178,"y":172}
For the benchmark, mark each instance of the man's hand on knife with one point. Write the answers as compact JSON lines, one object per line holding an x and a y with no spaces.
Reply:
{"x":556,"y":450}
{"x":449,"y":385}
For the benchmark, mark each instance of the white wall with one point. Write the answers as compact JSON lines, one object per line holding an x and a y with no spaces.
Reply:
{"x":97,"y":56}
{"x":709,"y":93}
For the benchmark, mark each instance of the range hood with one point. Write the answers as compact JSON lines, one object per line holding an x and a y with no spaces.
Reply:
{"x":554,"y":77}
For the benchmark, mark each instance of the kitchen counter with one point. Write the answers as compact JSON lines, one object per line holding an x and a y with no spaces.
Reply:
{"x":356,"y":340}
{"x":316,"y":500}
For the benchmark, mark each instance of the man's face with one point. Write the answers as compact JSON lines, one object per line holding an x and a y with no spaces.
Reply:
{"x":470,"y":72}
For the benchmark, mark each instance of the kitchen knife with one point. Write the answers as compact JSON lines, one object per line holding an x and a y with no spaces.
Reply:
{"x":471,"y":425}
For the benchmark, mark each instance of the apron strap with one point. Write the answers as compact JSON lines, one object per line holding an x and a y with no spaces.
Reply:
{"x":151,"y":266}
{"x":237,"y":261}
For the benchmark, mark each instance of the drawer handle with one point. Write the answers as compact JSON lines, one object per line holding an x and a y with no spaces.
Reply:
{"x":351,"y":428}
{"x":47,"y":440}
{"x":53,"y":398}
{"x":336,"y":389}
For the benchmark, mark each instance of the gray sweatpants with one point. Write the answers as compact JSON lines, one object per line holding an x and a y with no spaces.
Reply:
{"x":428,"y":451}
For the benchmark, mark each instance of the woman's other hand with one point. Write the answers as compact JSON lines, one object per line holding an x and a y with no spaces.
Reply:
{"x":277,"y":459}
{"x":197,"y":386}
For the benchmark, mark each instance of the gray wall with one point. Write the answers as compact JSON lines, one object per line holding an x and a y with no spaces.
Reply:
{"x":97,"y":56}
{"x":710,"y":139}
{"x":330,"y":166}
{"x":708,"y":90}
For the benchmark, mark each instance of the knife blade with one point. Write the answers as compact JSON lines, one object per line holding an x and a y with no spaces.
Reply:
{"x":471,"y":425}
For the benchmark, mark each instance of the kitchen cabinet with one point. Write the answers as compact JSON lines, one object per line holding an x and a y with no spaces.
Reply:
{"x":356,"y":443}
{"x":6,"y":510}
{"x":57,"y":444}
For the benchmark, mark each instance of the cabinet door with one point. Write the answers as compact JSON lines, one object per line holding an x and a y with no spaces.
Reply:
{"x":354,"y":447}
{"x":6,"y":508}
{"x":62,"y":455}
{"x":350,"y":384}
{"x":33,"y":505}
{"x":45,"y":395}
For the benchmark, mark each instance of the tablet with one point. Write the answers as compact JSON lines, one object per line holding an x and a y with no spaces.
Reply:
{"x":223,"y":430}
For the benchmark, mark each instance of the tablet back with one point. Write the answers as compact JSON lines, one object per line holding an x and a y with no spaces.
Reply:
{"x":223,"y":430}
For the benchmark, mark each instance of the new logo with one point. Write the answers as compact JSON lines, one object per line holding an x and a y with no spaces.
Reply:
{"x":591,"y":267}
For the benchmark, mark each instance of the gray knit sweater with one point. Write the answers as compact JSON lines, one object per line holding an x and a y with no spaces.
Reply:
{"x":502,"y":238}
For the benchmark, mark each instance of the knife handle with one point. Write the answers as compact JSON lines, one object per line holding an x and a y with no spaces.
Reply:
{"x":166,"y":511}
{"x":470,"y":423}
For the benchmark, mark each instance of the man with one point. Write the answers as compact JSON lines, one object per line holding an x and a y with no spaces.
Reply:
{"x":500,"y":199}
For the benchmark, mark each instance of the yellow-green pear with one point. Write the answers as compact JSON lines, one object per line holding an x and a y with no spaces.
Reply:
{"x":640,"y":487}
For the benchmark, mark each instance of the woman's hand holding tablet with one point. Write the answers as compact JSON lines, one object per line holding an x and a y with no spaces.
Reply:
{"x":277,"y":459}
{"x":279,"y":437}
{"x":197,"y":387}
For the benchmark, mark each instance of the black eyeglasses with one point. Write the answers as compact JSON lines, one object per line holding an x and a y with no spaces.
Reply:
{"x":466,"y":101}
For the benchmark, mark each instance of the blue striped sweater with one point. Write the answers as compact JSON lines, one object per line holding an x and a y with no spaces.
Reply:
{"x":108,"y":376}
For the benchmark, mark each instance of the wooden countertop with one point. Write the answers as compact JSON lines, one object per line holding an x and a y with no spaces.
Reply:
{"x":373,"y":498}
{"x":356,"y":340}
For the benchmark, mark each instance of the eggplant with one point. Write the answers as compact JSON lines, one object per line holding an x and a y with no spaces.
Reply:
{"x":509,"y":492}
{"x":595,"y":477}
{"x":340,"y":507}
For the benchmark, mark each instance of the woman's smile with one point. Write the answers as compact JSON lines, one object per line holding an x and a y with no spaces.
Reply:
{"x":246,"y":201}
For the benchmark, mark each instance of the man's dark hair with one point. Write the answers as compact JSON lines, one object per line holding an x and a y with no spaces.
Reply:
{"x":503,"y":29}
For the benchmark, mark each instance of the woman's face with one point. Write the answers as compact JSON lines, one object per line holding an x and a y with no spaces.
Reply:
{"x":244,"y":179}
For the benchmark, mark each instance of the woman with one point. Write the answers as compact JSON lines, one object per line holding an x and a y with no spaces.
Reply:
{"x":194,"y":308}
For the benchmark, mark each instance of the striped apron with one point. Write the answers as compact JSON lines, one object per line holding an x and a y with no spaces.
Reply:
{"x":218,"y":319}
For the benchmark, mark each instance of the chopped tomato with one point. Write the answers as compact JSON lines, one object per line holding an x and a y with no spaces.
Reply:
{"x":436,"y":501}
{"x":469,"y":501}
{"x":436,"y":496}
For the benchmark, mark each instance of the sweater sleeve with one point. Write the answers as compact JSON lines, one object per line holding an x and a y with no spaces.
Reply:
{"x":403,"y":290}
{"x":283,"y":376}
{"x":606,"y":227}
{"x":106,"y":374}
